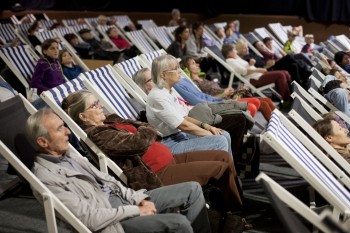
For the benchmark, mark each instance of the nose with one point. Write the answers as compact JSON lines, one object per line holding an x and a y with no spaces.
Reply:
{"x":67,"y":131}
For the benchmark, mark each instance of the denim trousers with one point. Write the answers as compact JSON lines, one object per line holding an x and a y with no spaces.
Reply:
{"x":180,"y":209}
{"x":185,"y":142}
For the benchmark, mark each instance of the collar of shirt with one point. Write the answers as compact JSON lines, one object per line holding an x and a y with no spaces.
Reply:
{"x":55,"y":159}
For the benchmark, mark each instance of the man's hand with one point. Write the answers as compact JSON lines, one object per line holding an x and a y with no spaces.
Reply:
{"x":228,"y":91}
{"x":213,"y":130}
{"x":252,"y":61}
{"x":147,"y":208}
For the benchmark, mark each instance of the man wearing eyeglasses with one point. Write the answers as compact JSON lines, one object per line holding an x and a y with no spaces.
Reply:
{"x":101,"y":202}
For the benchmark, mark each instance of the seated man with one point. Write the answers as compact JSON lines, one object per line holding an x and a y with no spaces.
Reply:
{"x":101,"y":202}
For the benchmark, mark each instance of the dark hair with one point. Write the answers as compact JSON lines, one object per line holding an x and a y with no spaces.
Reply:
{"x":60,"y":54}
{"x":70,"y":36}
{"x":338,"y":57}
{"x":47,"y":43}
{"x":331,"y":85}
{"x":34,"y":25}
{"x":226,"y":48}
{"x":178,"y":31}
{"x":185,"y":59}
{"x":266,"y":39}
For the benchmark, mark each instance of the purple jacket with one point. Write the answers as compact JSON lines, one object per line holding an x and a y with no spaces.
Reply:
{"x":47,"y":75}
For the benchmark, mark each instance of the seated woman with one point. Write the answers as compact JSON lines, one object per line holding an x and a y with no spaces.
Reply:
{"x":48,"y":71}
{"x":133,"y":144}
{"x":180,"y":132}
{"x":342,"y":60}
{"x":257,"y":76}
{"x":70,"y":70}
{"x":265,"y":105}
{"x":335,"y":134}
{"x":233,"y":121}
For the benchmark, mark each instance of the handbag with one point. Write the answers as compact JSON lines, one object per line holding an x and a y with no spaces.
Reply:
{"x":248,"y":159}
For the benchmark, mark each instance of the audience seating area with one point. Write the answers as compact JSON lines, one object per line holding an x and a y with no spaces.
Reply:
{"x":296,"y":158}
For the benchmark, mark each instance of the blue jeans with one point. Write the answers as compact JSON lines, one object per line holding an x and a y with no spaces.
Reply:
{"x":185,"y":142}
{"x":186,"y":197}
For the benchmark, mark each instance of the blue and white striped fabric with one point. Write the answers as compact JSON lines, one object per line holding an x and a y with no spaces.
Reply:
{"x":69,"y":22}
{"x":102,"y":78}
{"x":77,"y":28}
{"x":62,"y":91}
{"x":123,"y":20}
{"x":23,"y":27}
{"x":47,"y":24}
{"x":151,"y":55}
{"x":7,"y":32}
{"x":308,"y":166}
{"x":162,"y":36}
{"x":130,"y":67}
{"x":147,"y":23}
{"x":139,"y":39}
{"x":63,"y":30}
{"x":21,"y":58}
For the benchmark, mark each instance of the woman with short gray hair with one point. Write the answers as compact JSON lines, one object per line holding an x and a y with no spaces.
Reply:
{"x":180,"y":132}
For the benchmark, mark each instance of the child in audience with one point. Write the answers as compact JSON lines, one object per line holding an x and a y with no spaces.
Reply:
{"x":70,"y":70}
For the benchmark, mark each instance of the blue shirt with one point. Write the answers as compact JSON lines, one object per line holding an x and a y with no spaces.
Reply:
{"x":72,"y":72}
{"x":192,"y":94}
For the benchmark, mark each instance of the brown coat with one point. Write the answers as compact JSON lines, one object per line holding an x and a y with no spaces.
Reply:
{"x":126,"y":149}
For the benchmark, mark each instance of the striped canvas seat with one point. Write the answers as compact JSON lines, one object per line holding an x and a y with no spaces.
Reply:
{"x":142,"y":41}
{"x":119,"y":100}
{"x":7,"y":32}
{"x":162,"y":36}
{"x":295,"y":153}
{"x":21,"y":60}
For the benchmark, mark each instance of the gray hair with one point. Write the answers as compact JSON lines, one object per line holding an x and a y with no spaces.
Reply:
{"x":139,"y":78}
{"x":34,"y":127}
{"x":159,"y":65}
{"x":226,"y":49}
{"x":175,"y":11}
{"x":75,"y":103}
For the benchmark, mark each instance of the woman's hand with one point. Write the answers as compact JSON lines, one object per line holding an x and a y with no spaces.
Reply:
{"x":252,"y":62}
{"x":212,"y":129}
{"x":228,"y":91}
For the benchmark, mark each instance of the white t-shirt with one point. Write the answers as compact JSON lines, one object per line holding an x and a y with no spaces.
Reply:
{"x":164,"y":111}
{"x":241,"y":67}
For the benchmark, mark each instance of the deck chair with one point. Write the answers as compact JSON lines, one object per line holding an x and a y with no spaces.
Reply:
{"x":282,"y":35}
{"x":161,"y":35}
{"x":263,"y":33}
{"x":281,"y":199}
{"x":308,"y":98}
{"x":122,"y":20}
{"x":54,"y":97}
{"x":344,"y":40}
{"x":147,"y":25}
{"x":126,"y":70}
{"x":21,"y":60}
{"x":114,"y":94}
{"x":143,"y":42}
{"x":217,"y":55}
{"x":210,"y":35}
{"x":8,"y":33}
{"x":317,"y":74}
{"x":280,"y":137}
{"x":344,"y":174}
{"x":13,"y":115}
{"x":304,"y":109}
{"x":329,"y":105}
{"x":102,"y":30}
{"x":250,"y":44}
{"x":314,"y":83}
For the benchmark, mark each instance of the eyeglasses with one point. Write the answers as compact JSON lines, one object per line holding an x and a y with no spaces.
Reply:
{"x":149,"y":80}
{"x":95,"y":105}
{"x":173,"y":70}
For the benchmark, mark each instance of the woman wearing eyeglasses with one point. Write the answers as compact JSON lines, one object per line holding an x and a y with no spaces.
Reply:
{"x":133,"y":145}
{"x":180,"y":132}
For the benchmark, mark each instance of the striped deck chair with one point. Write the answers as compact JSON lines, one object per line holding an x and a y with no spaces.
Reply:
{"x":47,"y":24}
{"x":280,"y":199}
{"x":102,"y":30}
{"x":329,"y":106}
{"x":208,"y":34}
{"x":215,"y":52}
{"x":344,"y":40}
{"x":122,"y":20}
{"x":77,"y":28}
{"x":170,"y":30}
{"x":126,"y":70}
{"x":250,"y":44}
{"x":304,"y":109}
{"x":147,"y":25}
{"x":21,"y":60}
{"x":143,"y":42}
{"x":8,"y":33}
{"x":115,"y":97}
{"x":279,"y":136}
{"x":69,"y":22}
{"x":17,"y":111}
{"x":263,"y":33}
{"x":161,"y":35}
{"x":342,"y":168}
{"x":54,"y":97}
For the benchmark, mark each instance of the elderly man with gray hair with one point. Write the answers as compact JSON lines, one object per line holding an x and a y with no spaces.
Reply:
{"x":101,"y":202}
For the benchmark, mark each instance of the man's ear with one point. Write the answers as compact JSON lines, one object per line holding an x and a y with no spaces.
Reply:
{"x":42,"y":142}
